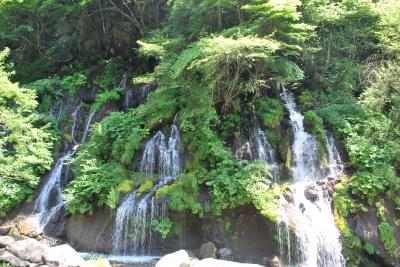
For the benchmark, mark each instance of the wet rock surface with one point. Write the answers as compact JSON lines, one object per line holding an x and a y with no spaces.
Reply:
{"x":207,"y":250}
{"x":311,"y":193}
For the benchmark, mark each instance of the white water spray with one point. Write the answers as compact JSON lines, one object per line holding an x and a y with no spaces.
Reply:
{"x":316,"y":241}
{"x":133,"y":224}
{"x":50,"y":200}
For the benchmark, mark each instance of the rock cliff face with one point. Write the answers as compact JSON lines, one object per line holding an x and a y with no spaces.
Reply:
{"x":366,"y":226}
{"x":250,"y":237}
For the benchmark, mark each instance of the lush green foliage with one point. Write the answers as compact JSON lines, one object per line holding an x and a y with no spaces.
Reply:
{"x":215,"y":62}
{"x":386,"y":232}
{"x":269,"y":111}
{"x":25,"y":142}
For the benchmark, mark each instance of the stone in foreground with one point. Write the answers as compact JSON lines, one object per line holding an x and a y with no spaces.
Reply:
{"x":63,"y":256}
{"x":174,"y":259}
{"x":9,"y":258}
{"x":207,"y":250}
{"x":29,"y":250}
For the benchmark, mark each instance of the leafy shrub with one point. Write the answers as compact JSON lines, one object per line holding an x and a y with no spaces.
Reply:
{"x":315,"y":125}
{"x":270,"y":111}
{"x":112,"y":70}
{"x":95,"y":185}
{"x":26,"y":141}
{"x":103,"y":97}
{"x":370,"y":249}
{"x":183,"y":194}
{"x":163,"y":226}
{"x":386,"y":231}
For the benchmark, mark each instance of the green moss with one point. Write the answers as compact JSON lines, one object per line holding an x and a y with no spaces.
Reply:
{"x":183,"y":194}
{"x":133,"y":144}
{"x":370,"y":249}
{"x":67,"y":138}
{"x":343,"y":205}
{"x":288,"y":161}
{"x":126,"y":186}
{"x":265,"y":199}
{"x":386,"y":231}
{"x":145,"y":187}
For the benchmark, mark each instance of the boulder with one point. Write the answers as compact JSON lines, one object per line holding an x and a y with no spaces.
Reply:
{"x":29,"y":249}
{"x":9,"y":258}
{"x":221,"y":263}
{"x":62,"y":256}
{"x":5,"y":229}
{"x":6,"y":241}
{"x":311,"y":193}
{"x":275,"y":262}
{"x":175,"y":259}
{"x":28,"y":228}
{"x":207,"y":250}
{"x":225,"y":254}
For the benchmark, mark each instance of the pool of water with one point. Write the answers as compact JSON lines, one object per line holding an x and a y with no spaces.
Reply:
{"x":124,"y":261}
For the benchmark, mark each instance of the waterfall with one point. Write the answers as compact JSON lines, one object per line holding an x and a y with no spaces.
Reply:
{"x":133,"y":224}
{"x":264,"y":151}
{"x":75,"y":123}
{"x":50,"y":200}
{"x":43,"y":207}
{"x":128,"y":96}
{"x":308,"y":211}
{"x":255,"y":145}
{"x":87,"y":126}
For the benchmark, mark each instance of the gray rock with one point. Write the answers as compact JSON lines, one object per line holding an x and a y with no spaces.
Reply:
{"x":5,"y":229}
{"x":225,"y":254}
{"x":29,"y":249}
{"x":207,"y":250}
{"x":62,"y":256}
{"x":221,"y":263}
{"x":7,"y":257}
{"x":311,"y":193}
{"x":6,"y":241}
{"x":275,"y":262}
{"x":175,"y":259}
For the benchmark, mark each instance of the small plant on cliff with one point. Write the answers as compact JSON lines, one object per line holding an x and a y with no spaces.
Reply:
{"x":163,"y":226}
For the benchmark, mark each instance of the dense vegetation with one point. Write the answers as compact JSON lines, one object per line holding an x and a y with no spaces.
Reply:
{"x":214,"y":62}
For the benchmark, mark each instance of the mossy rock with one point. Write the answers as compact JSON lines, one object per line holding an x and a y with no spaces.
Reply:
{"x":144,"y":188}
{"x":68,"y":138}
{"x":126,"y":186}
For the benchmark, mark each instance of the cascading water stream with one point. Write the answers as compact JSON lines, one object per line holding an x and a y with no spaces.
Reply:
{"x":132,"y":232}
{"x":50,"y":199}
{"x":256,"y":147}
{"x":75,"y":123}
{"x":311,"y":219}
{"x":264,"y":151}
